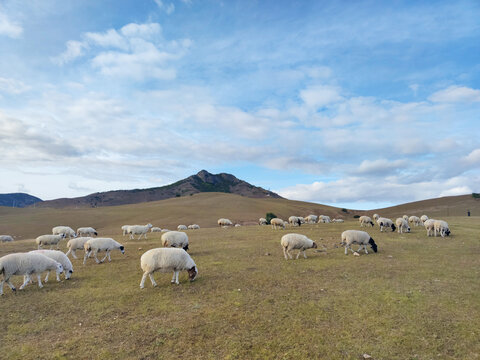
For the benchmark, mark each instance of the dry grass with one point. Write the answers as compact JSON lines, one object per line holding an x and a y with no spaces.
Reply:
{"x":417,"y":298}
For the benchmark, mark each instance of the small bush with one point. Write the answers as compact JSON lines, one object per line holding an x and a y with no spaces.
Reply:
{"x":476,"y":195}
{"x":356,"y":216}
{"x":345,"y":210}
{"x":177,"y":195}
{"x":269,"y":217}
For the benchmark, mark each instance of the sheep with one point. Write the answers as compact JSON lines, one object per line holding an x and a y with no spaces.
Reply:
{"x":125,"y":229}
{"x":262,"y":221}
{"x":277,"y":222}
{"x":375,"y":217}
{"x":302,"y":220}
{"x":385,"y":222}
{"x":442,"y":227}
{"x":155,"y":229}
{"x":167,"y":259}
{"x":338,"y":221}
{"x":182,"y":227}
{"x":324,"y":219}
{"x":429,"y":225}
{"x":5,"y":238}
{"x":361,"y":238}
{"x":141,"y":230}
{"x":402,"y":225}
{"x":26,"y":264}
{"x":423,"y":218}
{"x":48,"y":240}
{"x":76,"y":244}
{"x":238,"y":225}
{"x":65,"y":230}
{"x":86,"y":231}
{"x":165,"y":230}
{"x":365,"y":221}
{"x":414,"y":220}
{"x":296,"y":241}
{"x":101,"y":244}
{"x":59,"y":257}
{"x":224,"y":222}
{"x":405,"y":217}
{"x":194,"y":227}
{"x":311,"y":219}
{"x":293,"y":220}
{"x":176,"y":239}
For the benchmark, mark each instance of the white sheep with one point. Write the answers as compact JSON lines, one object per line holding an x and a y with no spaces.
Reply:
{"x":167,"y":259}
{"x":375,"y":217}
{"x":194,"y":227}
{"x":423,"y":218}
{"x":405,"y":217}
{"x":165,"y":230}
{"x":174,"y":239}
{"x":402,"y":225}
{"x":182,"y":227}
{"x":48,"y":240}
{"x":429,"y":226}
{"x":224,"y":222}
{"x":414,"y":220}
{"x":26,"y":264}
{"x":60,"y":257}
{"x":141,"y":230}
{"x":155,"y":229}
{"x":65,"y":230}
{"x":76,"y":244}
{"x":385,"y":222}
{"x":442,"y":227}
{"x":262,"y":221}
{"x":238,"y":225}
{"x":86,"y":231}
{"x":324,"y":219}
{"x":311,"y":219}
{"x":302,"y":220}
{"x":361,"y":238}
{"x":101,"y":244}
{"x":276,"y":222}
{"x":365,"y":221}
{"x":5,"y":238}
{"x":293,"y":221}
{"x":125,"y":229}
{"x":296,"y":241}
{"x":338,"y":221}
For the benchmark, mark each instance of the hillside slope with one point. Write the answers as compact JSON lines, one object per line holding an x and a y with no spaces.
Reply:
{"x":18,"y":200}
{"x":202,"y":182}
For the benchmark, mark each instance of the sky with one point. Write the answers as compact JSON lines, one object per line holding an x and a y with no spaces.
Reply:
{"x":358,"y":104}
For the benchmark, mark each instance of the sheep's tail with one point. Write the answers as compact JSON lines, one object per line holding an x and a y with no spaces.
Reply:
{"x":373,"y":245}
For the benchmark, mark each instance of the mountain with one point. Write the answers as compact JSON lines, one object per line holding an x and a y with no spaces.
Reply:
{"x":199,"y":183}
{"x":18,"y":200}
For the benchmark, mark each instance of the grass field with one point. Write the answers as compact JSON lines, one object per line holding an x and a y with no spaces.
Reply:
{"x":417,"y":298}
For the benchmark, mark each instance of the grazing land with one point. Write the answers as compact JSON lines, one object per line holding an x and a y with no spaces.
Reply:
{"x":417,"y":298}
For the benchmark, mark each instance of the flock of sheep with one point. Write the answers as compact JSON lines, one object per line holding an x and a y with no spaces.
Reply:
{"x":173,"y":255}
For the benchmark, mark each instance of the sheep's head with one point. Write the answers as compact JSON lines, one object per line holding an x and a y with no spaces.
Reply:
{"x":447,"y":232}
{"x":122,"y":249}
{"x":393,"y":227}
{"x":314,"y":245}
{"x":68,"y":274}
{"x":373,"y":245}
{"x":408,"y":229}
{"x":192,"y":273}
{"x":185,"y":247}
{"x":371,"y":222}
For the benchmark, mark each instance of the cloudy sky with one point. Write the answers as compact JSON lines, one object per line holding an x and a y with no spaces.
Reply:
{"x":359,"y":104}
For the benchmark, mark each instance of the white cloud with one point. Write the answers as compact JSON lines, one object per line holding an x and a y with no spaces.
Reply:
{"x":74,"y":50}
{"x":8,"y":27}
{"x":12,"y":86}
{"x":168,"y":8}
{"x":456,"y":94}
{"x":111,"y":38}
{"x":380,"y":167}
{"x":473,"y":158}
{"x":320,"y":95}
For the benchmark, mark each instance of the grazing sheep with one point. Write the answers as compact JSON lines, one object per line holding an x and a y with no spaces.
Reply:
{"x":167,"y":259}
{"x":311,"y":219}
{"x":176,"y":239}
{"x":76,"y":244}
{"x":293,"y":221}
{"x":429,"y":226}
{"x":155,"y":229}
{"x":65,"y":230}
{"x":194,"y":227}
{"x":375,"y":217}
{"x":402,"y":225}
{"x":361,"y":238}
{"x":86,"y":231}
{"x":165,"y":230}
{"x":442,"y":227}
{"x":414,"y":220}
{"x":262,"y":221}
{"x":296,"y":241}
{"x":365,"y":221}
{"x":48,"y":240}
{"x":141,"y":230}
{"x":60,"y":257}
{"x":405,"y":217}
{"x":182,"y":227}
{"x":385,"y":222}
{"x":276,"y":222}
{"x":238,"y":225}
{"x":101,"y":244}
{"x":224,"y":222}
{"x":324,"y":219}
{"x":125,"y":229}
{"x":338,"y":221}
{"x":5,"y":238}
{"x":423,"y":218}
{"x":26,"y":264}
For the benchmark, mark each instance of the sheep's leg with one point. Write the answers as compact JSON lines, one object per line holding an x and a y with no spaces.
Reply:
{"x":46,"y":277}
{"x":85,"y":257}
{"x":74,"y":254}
{"x":176,"y":277}
{"x":285,"y":253}
{"x":304,"y":255}
{"x":289,"y":254}
{"x":95,"y":256}
{"x":142,"y":283}
{"x":299,"y":251}
{"x":173,"y":277}
{"x":109,"y":258}
{"x":106,"y":255}
{"x":68,"y":252}
{"x":25,"y":282}
{"x":346,"y":249}
{"x":39,"y":278}
{"x":365,"y":247}
{"x":58,"y":275}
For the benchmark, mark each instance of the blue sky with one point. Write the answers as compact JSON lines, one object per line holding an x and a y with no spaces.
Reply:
{"x":355,"y":104}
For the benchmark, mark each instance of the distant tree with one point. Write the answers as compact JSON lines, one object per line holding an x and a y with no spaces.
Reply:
{"x":356,"y":216}
{"x":269,"y":217}
{"x":476,"y":195}
{"x":345,"y":210}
